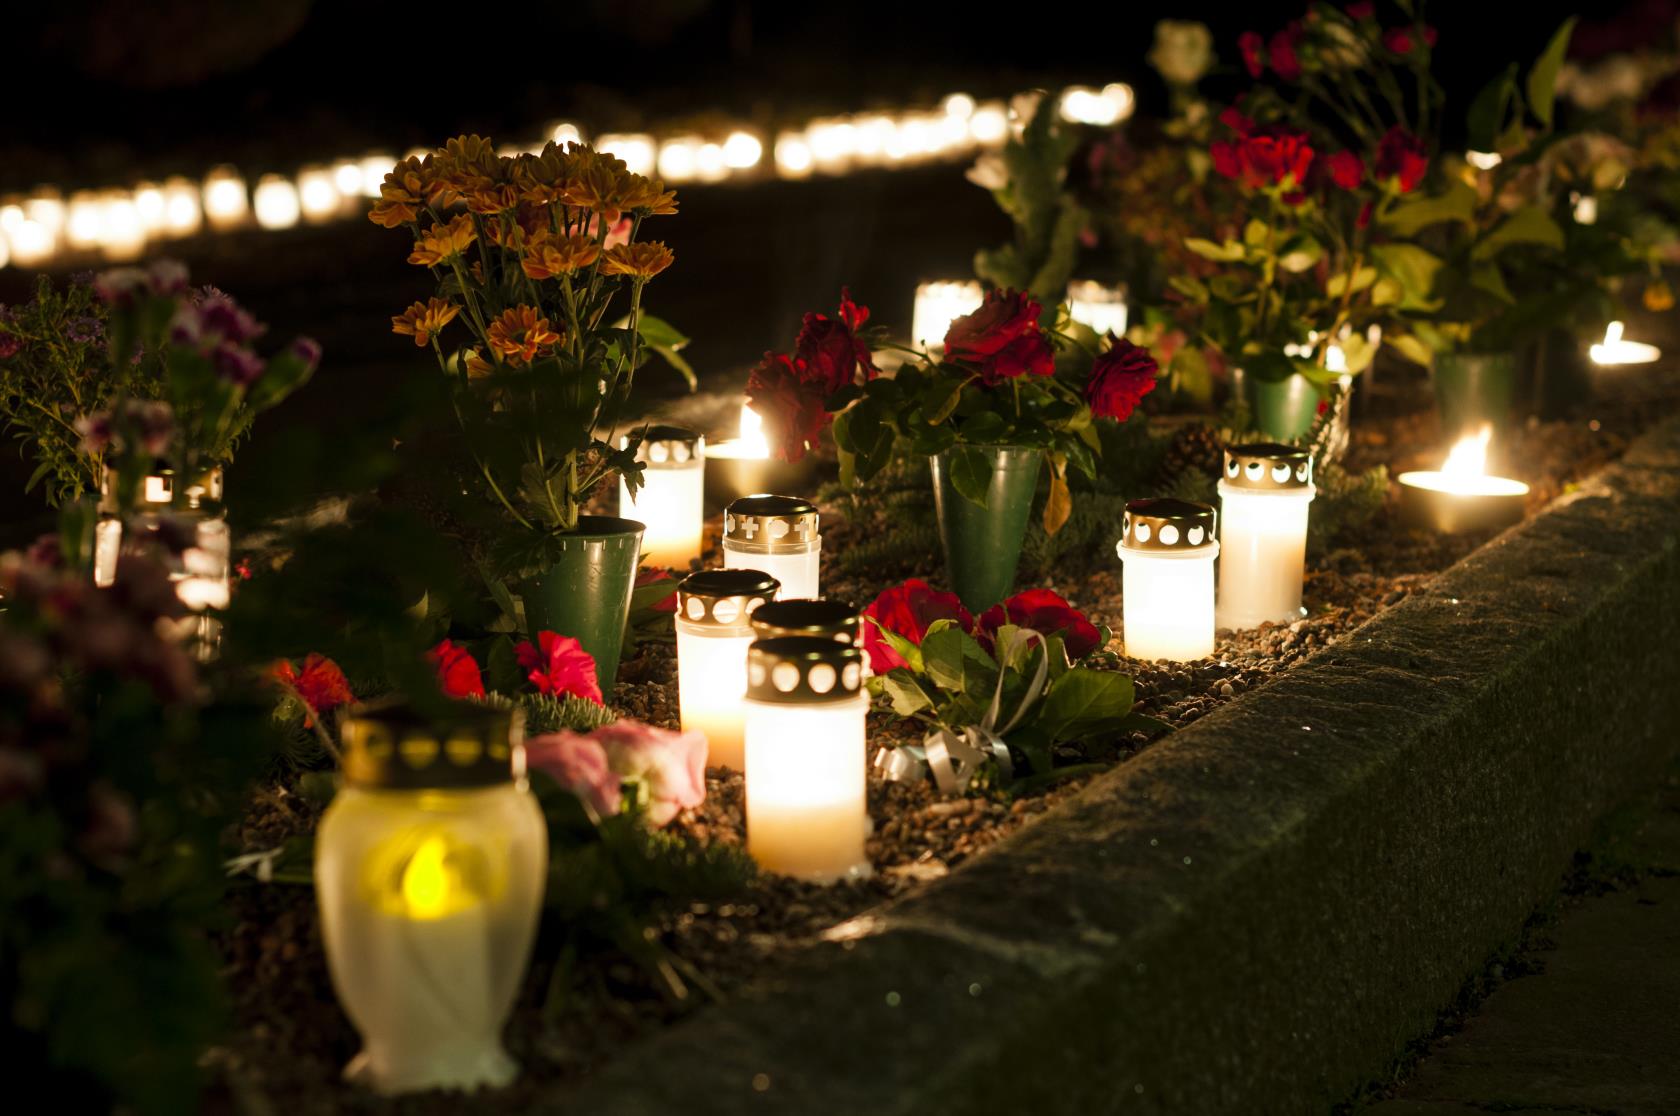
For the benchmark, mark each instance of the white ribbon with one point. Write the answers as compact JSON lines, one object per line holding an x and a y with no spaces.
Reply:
{"x":953,"y":758}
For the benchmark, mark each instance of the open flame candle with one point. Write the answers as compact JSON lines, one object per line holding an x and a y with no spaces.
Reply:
{"x":938,"y":304}
{"x":1462,"y":496}
{"x":1264,"y":496}
{"x":1613,"y":350}
{"x":714,"y":627}
{"x":806,"y":758}
{"x":776,"y":534}
{"x":743,"y":465}
{"x":672,"y":498}
{"x":429,"y":869}
{"x":1168,"y":548}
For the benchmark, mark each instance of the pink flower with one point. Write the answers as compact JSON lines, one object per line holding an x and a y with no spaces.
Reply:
{"x":668,"y":767}
{"x":458,"y":673}
{"x":561,"y":666}
{"x":578,"y":763}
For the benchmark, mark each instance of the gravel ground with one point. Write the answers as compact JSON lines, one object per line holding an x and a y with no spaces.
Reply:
{"x":292,"y":1039}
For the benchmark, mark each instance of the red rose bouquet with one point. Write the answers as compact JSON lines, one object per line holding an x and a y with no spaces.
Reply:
{"x":1016,"y":681}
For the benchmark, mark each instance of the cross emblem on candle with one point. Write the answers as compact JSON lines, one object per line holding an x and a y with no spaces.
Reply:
{"x":749,"y":526}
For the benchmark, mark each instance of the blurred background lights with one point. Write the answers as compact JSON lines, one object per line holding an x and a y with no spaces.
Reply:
{"x":276,"y":202}
{"x":742,"y":151}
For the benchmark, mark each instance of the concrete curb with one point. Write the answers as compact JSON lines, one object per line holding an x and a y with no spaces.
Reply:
{"x":1256,"y":914}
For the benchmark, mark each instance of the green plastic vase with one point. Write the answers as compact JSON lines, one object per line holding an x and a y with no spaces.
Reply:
{"x":586,"y":594}
{"x":983,"y":544}
{"x":1283,"y":410}
{"x":1473,"y":389}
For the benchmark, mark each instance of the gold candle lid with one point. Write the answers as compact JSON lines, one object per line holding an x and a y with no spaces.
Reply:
{"x":1167,"y":525}
{"x":823,"y":619}
{"x":724,"y":598}
{"x":390,"y":745}
{"x":667,"y":447}
{"x":1268,"y":467}
{"x":800,"y":670}
{"x":769,"y":524}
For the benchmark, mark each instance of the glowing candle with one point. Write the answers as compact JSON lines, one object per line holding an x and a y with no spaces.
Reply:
{"x":225,"y":203}
{"x":1462,"y":496}
{"x":806,"y":754}
{"x":742,"y":151}
{"x":374,"y":169}
{"x":793,"y":155}
{"x":1099,"y":307}
{"x":318,"y":194}
{"x":714,"y":610}
{"x":84,"y":224}
{"x":181,"y":207}
{"x":776,"y":534}
{"x":1263,"y":534}
{"x":276,"y":202}
{"x":31,"y":243}
{"x":1168,"y":548}
{"x":742,"y":465}
{"x":671,"y":500}
{"x":677,"y":158}
{"x":938,"y":304}
{"x":637,"y":151}
{"x":990,"y":123}
{"x":565,"y":132}
{"x":1614,"y":350}
{"x":429,"y":870}
{"x":123,"y":236}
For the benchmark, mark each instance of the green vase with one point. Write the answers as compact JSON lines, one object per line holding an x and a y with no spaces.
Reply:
{"x":983,"y":544}
{"x":1475,"y":389}
{"x":586,"y":594}
{"x":1283,"y":410}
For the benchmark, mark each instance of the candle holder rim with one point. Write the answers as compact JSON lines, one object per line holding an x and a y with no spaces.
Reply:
{"x":391,"y":744}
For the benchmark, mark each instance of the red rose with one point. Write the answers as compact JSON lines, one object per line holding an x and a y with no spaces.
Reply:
{"x":1233,"y":119}
{"x":1003,"y":317}
{"x":320,"y":683}
{"x":1281,"y":51}
{"x":457,"y":670}
{"x":1398,"y":39}
{"x":1253,"y":52}
{"x":1401,"y":157}
{"x":1363,"y":9}
{"x":650,"y":575}
{"x":831,"y":349}
{"x":907,"y":610}
{"x":1046,"y":613}
{"x":1347,"y":170}
{"x":1271,"y":156}
{"x":791,"y":401}
{"x":1227,"y":160}
{"x":561,"y":666}
{"x":1120,"y":379}
{"x":1025,"y":356}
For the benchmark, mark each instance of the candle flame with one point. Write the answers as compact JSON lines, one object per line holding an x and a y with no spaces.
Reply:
{"x":753,"y":443}
{"x":1615,"y":349}
{"x":425,"y":882}
{"x":1613,"y":333}
{"x":1468,"y":458}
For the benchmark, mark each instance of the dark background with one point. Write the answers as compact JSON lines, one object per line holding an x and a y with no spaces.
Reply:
{"x":108,"y":92}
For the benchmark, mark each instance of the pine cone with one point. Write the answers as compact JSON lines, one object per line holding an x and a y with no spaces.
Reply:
{"x":1195,"y":448}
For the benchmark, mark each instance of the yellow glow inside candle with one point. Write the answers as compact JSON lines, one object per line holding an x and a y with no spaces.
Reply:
{"x":714,"y":630}
{"x":793,"y":155}
{"x":807,"y":814}
{"x":318,"y":194}
{"x":225,"y":203}
{"x":1168,"y":551}
{"x":181,"y":210}
{"x":124,"y":233}
{"x":1614,"y":350}
{"x":671,"y":499}
{"x":1265,"y":495}
{"x":276,"y":202}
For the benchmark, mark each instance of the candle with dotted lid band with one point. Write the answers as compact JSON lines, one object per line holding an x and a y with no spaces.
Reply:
{"x":672,"y":496}
{"x":776,"y":534}
{"x":714,"y":629}
{"x":1168,"y":549}
{"x":1265,"y":491}
{"x":806,"y":758}
{"x":819,"y":619}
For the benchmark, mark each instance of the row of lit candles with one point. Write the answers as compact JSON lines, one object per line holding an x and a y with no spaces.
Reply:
{"x":118,"y":223}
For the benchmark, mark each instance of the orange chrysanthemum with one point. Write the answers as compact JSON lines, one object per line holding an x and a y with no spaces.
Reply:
{"x":550,"y":255}
{"x":424,"y":319}
{"x":601,"y":184}
{"x":520,"y":335}
{"x":542,"y":177}
{"x":476,"y":365}
{"x":643,"y":260}
{"x":393,"y":213}
{"x":443,"y":242}
{"x":650,"y":198}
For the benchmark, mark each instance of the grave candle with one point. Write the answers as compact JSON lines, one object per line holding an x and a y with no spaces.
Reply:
{"x":671,"y":500}
{"x":1168,"y":548}
{"x":714,"y":628}
{"x":1264,"y":497}
{"x":776,"y":534}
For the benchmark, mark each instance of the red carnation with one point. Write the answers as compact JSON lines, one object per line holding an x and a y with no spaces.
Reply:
{"x":1253,"y":49}
{"x":1120,"y":379}
{"x":650,"y":575}
{"x":457,"y":671}
{"x":831,"y":349}
{"x":1401,"y":157}
{"x":320,"y":684}
{"x":907,"y":610}
{"x":561,"y":666}
{"x":1347,"y":169}
{"x":1003,"y":338}
{"x":791,"y":401}
{"x":1046,"y":613}
{"x":1281,"y":51}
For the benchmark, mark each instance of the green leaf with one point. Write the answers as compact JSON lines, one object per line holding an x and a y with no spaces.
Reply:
{"x":908,"y":698}
{"x":1528,"y":225}
{"x":955,"y":661}
{"x":1410,"y":347}
{"x":1407,"y":217}
{"x":1486,"y":118}
{"x":1255,"y":232}
{"x":1229,"y":252}
{"x":909,"y":652}
{"x":1487,"y":277}
{"x":666,"y":340}
{"x":971,"y":474}
{"x":1542,"y":79}
{"x":940,"y":399}
{"x":1084,"y":699}
{"x":1338,"y":284}
{"x":1414,"y":267}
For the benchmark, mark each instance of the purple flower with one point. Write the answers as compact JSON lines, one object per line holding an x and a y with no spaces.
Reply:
{"x":152,"y":425}
{"x":97,"y":433}
{"x":237,"y":365}
{"x":9,"y":345}
{"x":220,"y":316}
{"x":578,"y":763}
{"x":119,"y":286}
{"x":85,"y":330}
{"x":308,"y":350}
{"x":167,"y":278}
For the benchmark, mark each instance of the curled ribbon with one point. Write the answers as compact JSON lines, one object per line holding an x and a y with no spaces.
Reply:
{"x":953,"y":758}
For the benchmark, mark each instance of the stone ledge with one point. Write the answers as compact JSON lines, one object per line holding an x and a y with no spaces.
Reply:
{"x":1256,"y":914}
